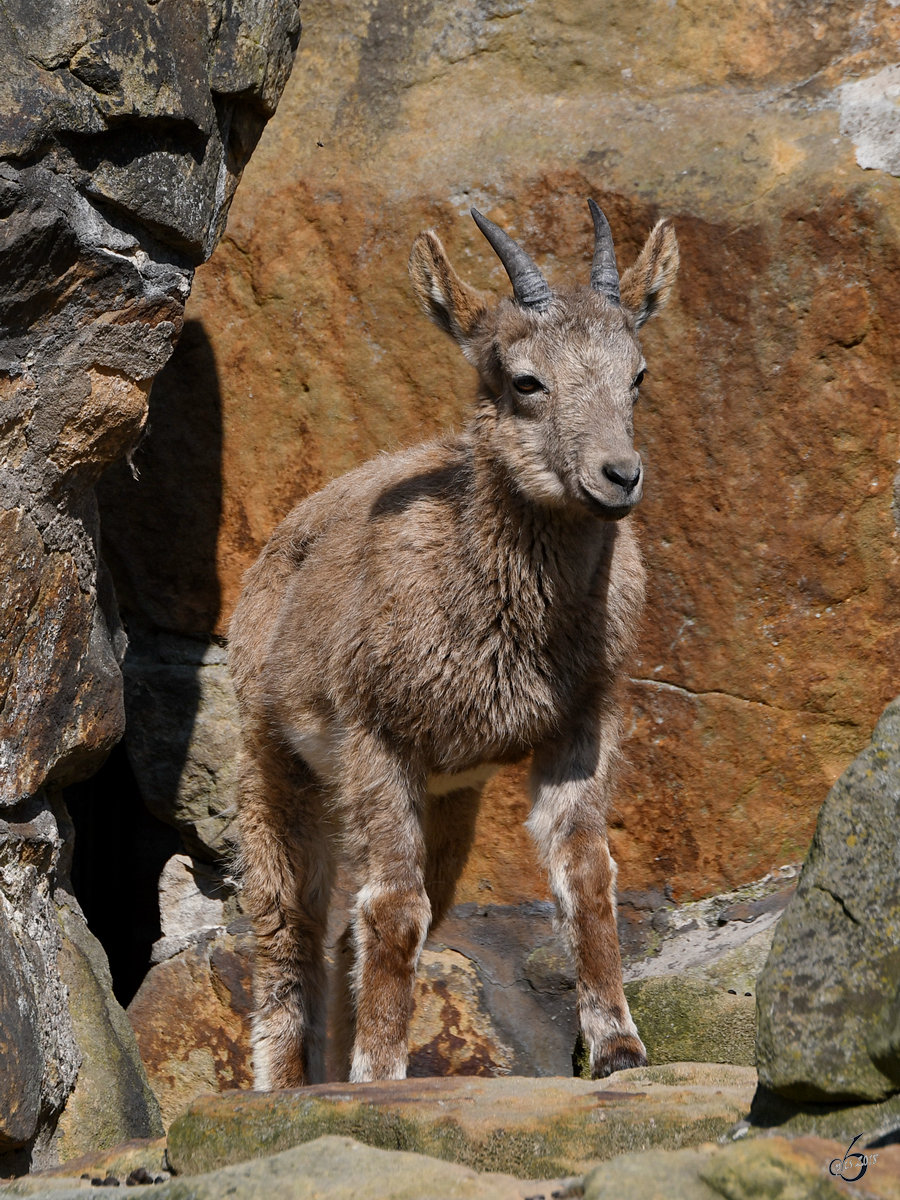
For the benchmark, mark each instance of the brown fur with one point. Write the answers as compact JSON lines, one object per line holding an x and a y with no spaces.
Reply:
{"x":462,"y":603}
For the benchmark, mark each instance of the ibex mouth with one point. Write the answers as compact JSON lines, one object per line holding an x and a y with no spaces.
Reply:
{"x":606,"y":509}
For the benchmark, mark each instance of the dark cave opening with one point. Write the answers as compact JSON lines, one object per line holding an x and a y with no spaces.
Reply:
{"x":119,"y":852}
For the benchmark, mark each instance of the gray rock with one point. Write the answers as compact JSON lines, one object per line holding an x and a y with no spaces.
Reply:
{"x":877,"y":1123}
{"x":343,"y":1169}
{"x":688,"y":1020}
{"x":336,"y":1168}
{"x":157,"y":115}
{"x":112,"y":1100}
{"x":764,"y":1169}
{"x":869,"y":118}
{"x":694,"y":999}
{"x":828,"y":996}
{"x":191,"y":906}
{"x":182,"y":730}
{"x":528,"y":1127}
{"x":42,"y":1060}
{"x":20,"y":1048}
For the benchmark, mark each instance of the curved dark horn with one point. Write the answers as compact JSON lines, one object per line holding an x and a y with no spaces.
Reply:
{"x":529,"y":286}
{"x":604,"y":273}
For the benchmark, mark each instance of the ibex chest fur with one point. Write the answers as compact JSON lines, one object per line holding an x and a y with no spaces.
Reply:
{"x":427,"y":617}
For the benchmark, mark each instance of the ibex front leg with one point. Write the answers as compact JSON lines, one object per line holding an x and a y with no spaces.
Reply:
{"x":568,"y":822}
{"x":392,"y":914}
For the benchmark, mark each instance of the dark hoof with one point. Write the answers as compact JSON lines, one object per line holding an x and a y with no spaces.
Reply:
{"x":619,"y":1054}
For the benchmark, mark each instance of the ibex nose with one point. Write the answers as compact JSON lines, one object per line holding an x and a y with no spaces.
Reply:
{"x":625,"y":472}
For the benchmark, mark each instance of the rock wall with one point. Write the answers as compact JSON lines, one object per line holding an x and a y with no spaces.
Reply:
{"x":120,"y":148}
{"x":768,"y":421}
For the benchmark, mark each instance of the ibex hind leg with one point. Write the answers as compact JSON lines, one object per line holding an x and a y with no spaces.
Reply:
{"x":287,"y":866}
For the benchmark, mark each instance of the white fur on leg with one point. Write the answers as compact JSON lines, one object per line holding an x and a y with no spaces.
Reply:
{"x":361,"y":1069}
{"x":262,"y":1061}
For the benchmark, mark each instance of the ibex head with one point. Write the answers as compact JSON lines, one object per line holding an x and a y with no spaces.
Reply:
{"x":560,"y":368}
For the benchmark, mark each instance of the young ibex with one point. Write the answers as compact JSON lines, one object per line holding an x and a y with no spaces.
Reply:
{"x":427,"y":617}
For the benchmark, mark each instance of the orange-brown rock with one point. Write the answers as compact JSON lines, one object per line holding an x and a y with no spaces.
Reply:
{"x":191,"y":1021}
{"x":767,"y":423}
{"x":451,"y":1032}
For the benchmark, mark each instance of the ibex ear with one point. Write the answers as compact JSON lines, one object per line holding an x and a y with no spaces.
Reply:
{"x":451,"y":304}
{"x":646,"y":286}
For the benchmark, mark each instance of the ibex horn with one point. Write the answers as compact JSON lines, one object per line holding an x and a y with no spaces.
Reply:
{"x":529,"y":286}
{"x":604,"y":273}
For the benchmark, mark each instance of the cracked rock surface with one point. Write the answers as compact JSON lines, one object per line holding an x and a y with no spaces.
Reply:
{"x":125,"y":131}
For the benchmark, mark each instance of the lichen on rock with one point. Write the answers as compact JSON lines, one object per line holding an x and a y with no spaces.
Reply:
{"x":828,"y":995}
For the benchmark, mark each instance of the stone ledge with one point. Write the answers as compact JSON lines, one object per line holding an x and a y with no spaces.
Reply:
{"x":525,"y":1127}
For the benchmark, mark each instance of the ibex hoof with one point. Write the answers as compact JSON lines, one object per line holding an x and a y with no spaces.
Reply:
{"x":618,"y":1054}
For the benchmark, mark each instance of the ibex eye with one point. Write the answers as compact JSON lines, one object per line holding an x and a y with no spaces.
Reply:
{"x":527,"y":384}
{"x":638,"y":379}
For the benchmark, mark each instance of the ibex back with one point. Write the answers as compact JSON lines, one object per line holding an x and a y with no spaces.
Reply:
{"x":427,"y":617}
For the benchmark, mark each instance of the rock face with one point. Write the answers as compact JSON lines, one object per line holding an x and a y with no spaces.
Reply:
{"x":141,"y":136}
{"x":120,"y":148}
{"x":767,"y":421}
{"x":829,"y":996}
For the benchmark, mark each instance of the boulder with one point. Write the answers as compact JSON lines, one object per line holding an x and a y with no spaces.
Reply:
{"x":694,"y":998}
{"x":191,"y":1021}
{"x":182,"y":728}
{"x":41,"y":1053}
{"x":452,"y":1031}
{"x":766,"y":1169}
{"x":525,"y":983}
{"x":686,"y":1020}
{"x":192,"y":905}
{"x":20,"y":1048}
{"x":494,"y":996}
{"x":112,"y":1099}
{"x":335,"y":1167}
{"x":878,"y":1124}
{"x":829,"y":1013}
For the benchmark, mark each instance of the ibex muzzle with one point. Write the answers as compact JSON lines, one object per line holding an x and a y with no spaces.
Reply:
{"x":430,"y":615}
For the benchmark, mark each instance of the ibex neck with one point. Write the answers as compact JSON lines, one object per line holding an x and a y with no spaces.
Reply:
{"x":561,"y":546}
